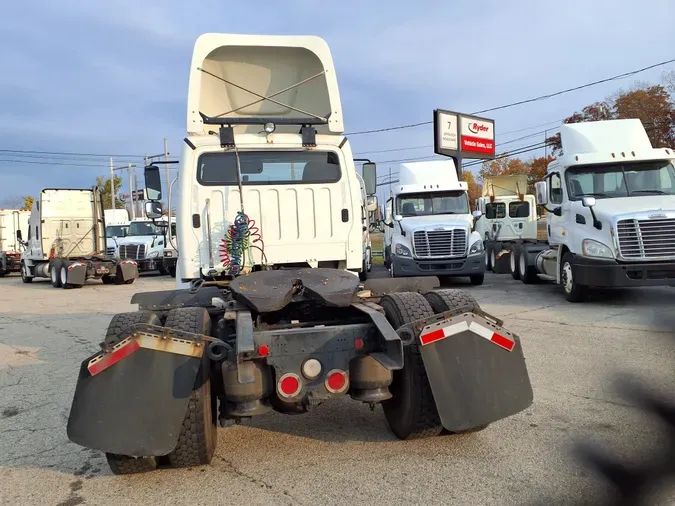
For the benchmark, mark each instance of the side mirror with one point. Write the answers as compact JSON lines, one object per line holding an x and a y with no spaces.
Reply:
{"x":588,"y":201}
{"x":541,"y":191}
{"x":153,"y":210}
{"x":398,"y":217}
{"x":153,"y":183}
{"x":369,"y":173}
{"x":18,"y":235}
{"x":476,"y":214}
{"x":371,"y":203}
{"x":114,"y":238}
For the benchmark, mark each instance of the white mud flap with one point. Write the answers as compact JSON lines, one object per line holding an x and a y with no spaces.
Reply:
{"x":476,"y":370}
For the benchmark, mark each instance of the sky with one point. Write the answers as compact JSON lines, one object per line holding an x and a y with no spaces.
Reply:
{"x":110,"y":78}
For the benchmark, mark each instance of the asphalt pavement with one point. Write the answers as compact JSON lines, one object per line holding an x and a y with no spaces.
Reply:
{"x":342,"y":453}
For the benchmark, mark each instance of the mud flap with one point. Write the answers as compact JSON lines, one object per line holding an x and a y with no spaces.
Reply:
{"x":126,"y":270}
{"x":131,"y":399}
{"x":76,"y":274}
{"x":476,"y":370}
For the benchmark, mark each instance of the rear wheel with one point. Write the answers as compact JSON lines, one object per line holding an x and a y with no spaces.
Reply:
{"x":411,"y":412}
{"x":198,"y":436}
{"x":526,"y":272}
{"x":108,"y":280}
{"x":123,"y":464}
{"x":130,"y":281}
{"x":55,"y":274}
{"x":162,"y":270}
{"x":25,"y":273}
{"x":513,"y":263}
{"x":488,"y":257}
{"x":449,"y":299}
{"x":172,"y":271}
{"x":64,"y":276}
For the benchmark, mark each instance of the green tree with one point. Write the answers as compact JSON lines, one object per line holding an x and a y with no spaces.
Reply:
{"x":28,"y":203}
{"x":104,"y":186}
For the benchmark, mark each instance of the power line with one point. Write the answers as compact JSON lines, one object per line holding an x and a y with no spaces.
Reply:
{"x":30,"y":151}
{"x":54,"y":163}
{"x":529,"y":100}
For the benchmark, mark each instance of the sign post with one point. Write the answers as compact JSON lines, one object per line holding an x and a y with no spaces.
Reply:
{"x":463,"y":136}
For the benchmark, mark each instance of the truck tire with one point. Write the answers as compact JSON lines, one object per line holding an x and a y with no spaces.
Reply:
{"x":477,"y":279}
{"x":55,"y":273}
{"x":162,"y":270}
{"x":363,"y":274}
{"x":513,"y":262}
{"x":172,"y":271}
{"x":573,"y":291}
{"x":123,"y":464}
{"x":411,"y":412}
{"x":25,"y":274}
{"x":108,"y":279}
{"x":130,"y":281}
{"x":198,"y":436}
{"x":64,"y":277}
{"x":526,"y":272}
{"x":488,"y":257}
{"x":449,"y":299}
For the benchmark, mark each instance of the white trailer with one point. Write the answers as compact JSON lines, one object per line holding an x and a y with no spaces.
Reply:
{"x":429,"y":225}
{"x":66,"y":241}
{"x":610,"y":201}
{"x":11,"y":221}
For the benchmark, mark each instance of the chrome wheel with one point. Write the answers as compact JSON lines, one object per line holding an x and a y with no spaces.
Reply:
{"x":53,"y":274}
{"x":512,"y":261}
{"x":493,"y":258}
{"x":567,"y":279}
{"x":522,"y":267}
{"x":64,"y":276}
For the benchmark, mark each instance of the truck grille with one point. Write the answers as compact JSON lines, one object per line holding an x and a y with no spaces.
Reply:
{"x":440,"y":243}
{"x":110,"y":252}
{"x":646,"y":239}
{"x":132,"y":251}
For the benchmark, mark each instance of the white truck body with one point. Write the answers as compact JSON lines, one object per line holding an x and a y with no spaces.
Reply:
{"x":11,"y":220}
{"x":610,"y":199}
{"x":116,"y":226}
{"x":305,"y":201}
{"x":429,"y":225}
{"x":66,"y":241}
{"x":145,"y":243}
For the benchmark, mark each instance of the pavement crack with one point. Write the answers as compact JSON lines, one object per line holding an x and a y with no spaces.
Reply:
{"x":231,"y":468}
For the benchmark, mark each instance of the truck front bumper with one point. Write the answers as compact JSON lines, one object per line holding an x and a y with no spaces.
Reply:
{"x":149,"y":264}
{"x":610,"y":273}
{"x":170,"y":262}
{"x":406,"y":266}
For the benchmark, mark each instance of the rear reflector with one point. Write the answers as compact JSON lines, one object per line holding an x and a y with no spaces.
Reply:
{"x":97,"y":366}
{"x":336,"y":381}
{"x":289,"y":385}
{"x":432,"y":336}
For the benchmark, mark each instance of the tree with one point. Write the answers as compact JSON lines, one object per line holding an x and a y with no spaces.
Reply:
{"x":598,"y":111}
{"x":475,"y":189}
{"x":668,"y":79}
{"x":653,"y":106}
{"x":28,"y":203}
{"x":104,"y":186}
{"x":502,"y":166}
{"x":537,"y":170}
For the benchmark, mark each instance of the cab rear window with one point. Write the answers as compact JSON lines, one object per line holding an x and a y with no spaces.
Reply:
{"x":495,"y":210}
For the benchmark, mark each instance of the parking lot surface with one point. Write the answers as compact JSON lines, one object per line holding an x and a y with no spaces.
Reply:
{"x":342,"y":453}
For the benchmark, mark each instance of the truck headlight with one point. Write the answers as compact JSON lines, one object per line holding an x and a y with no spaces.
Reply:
{"x":477,"y":248}
{"x":402,"y":251}
{"x":591,"y":248}
{"x":153,"y":254}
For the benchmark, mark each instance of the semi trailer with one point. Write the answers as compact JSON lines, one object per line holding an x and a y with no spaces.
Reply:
{"x":66,"y":241}
{"x":11,"y":221}
{"x":268,"y":313}
{"x":610,"y":220}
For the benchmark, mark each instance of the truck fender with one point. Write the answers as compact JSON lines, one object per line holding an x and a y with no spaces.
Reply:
{"x":488,"y":380}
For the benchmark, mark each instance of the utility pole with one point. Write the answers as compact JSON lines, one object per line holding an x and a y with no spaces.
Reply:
{"x":545,"y":145}
{"x":166,"y":168}
{"x":112,"y":183}
{"x":139,"y":209}
{"x":132,"y":204}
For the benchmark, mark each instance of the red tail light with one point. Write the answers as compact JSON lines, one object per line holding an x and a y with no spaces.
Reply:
{"x":336,"y":381}
{"x":289,"y":385}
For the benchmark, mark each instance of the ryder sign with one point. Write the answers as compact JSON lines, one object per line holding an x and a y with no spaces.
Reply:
{"x":463,"y":136}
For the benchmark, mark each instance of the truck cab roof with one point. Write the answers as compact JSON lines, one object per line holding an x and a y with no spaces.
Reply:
{"x":420,"y":177}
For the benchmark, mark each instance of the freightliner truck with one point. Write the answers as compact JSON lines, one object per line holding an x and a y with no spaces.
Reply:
{"x":269,"y":313}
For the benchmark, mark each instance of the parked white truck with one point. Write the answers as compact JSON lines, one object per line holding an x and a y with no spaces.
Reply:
{"x":508,"y":217}
{"x":116,"y":227}
{"x":269,"y":313}
{"x":145,"y":242}
{"x":610,"y":201}
{"x":66,"y":241}
{"x":429,"y":225}
{"x":11,"y":221}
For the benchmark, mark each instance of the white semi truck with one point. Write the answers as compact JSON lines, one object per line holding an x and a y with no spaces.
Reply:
{"x":145,"y":242}
{"x":66,"y":241}
{"x":429,"y":225}
{"x":508,"y":218}
{"x":269,"y":313}
{"x":610,"y":202}
{"x":11,"y":221}
{"x":116,"y":227}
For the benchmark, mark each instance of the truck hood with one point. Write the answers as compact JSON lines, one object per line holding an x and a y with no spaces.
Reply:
{"x":137,"y":239}
{"x":439,"y":220}
{"x":608,"y":209}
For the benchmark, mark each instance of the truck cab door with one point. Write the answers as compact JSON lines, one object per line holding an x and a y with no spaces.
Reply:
{"x":558,"y":210}
{"x":388,"y":220}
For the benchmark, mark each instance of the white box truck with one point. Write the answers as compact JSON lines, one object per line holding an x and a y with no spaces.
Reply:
{"x":66,"y":241}
{"x":610,"y":202}
{"x":269,"y":314}
{"x":429,"y":225}
{"x":11,"y":221}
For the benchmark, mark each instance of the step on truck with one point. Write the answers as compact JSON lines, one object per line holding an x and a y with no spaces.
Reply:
{"x":429,"y":227}
{"x":508,"y":219}
{"x":11,"y":221}
{"x":66,"y":241}
{"x":610,"y":212}
{"x":269,"y":313}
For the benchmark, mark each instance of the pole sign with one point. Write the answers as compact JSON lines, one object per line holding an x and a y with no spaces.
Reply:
{"x":139,"y":195}
{"x":463,"y":136}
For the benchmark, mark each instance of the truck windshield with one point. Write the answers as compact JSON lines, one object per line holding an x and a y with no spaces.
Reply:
{"x":621,"y":180}
{"x":269,"y":167}
{"x":145,"y":228}
{"x":428,"y":204}
{"x":116,"y":231}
